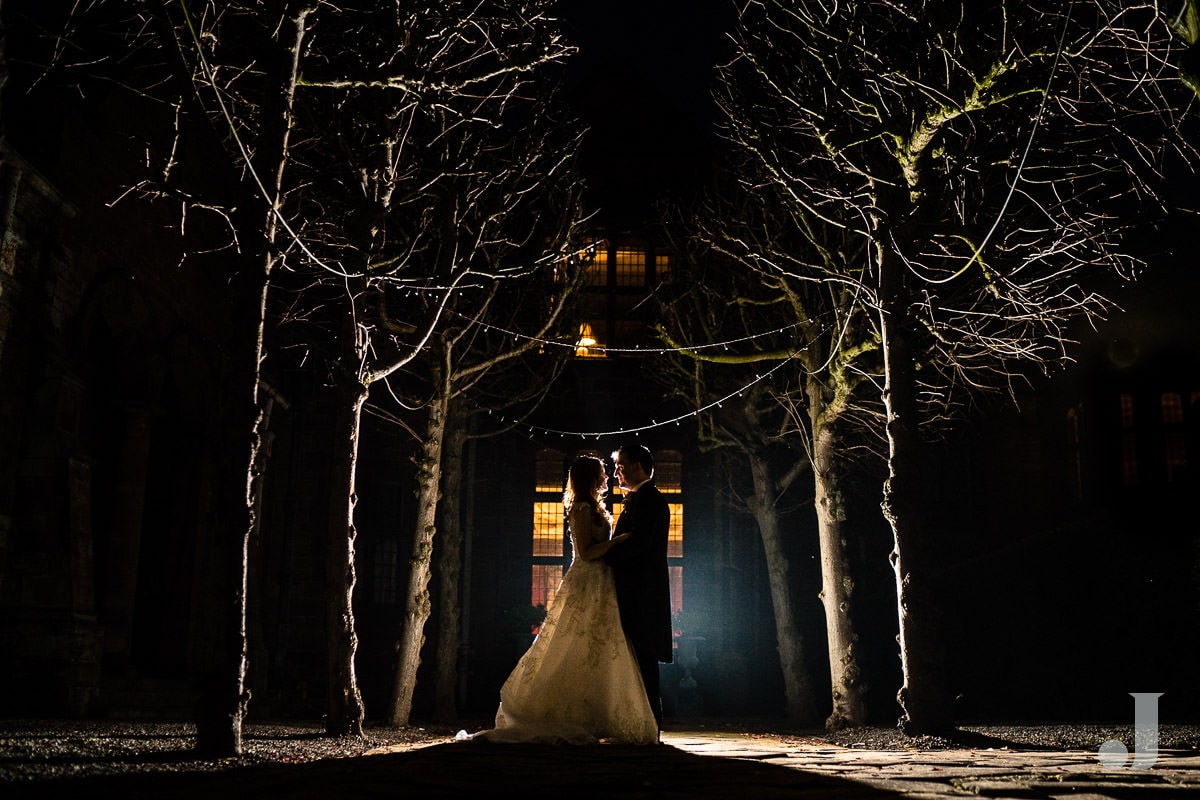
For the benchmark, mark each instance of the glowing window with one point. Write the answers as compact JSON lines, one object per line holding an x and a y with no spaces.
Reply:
{"x":547,"y":528}
{"x":662,"y":265}
{"x":631,"y":267}
{"x":675,"y":532}
{"x":598,"y":269}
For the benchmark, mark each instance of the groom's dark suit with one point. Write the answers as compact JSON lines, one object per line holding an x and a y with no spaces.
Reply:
{"x":639,"y":567}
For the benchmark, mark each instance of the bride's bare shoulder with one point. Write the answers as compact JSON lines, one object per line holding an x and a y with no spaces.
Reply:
{"x":583,"y":517}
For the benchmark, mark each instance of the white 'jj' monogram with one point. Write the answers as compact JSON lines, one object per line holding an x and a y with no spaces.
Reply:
{"x":1113,"y":754}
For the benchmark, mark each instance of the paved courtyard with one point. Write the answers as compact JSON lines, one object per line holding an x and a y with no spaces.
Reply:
{"x":989,"y":772}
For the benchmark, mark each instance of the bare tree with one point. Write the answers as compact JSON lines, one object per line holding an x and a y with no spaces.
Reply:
{"x":241,"y":91}
{"x":443,"y":171}
{"x":449,"y":568}
{"x":173,"y":55}
{"x":368,"y":176}
{"x":971,"y":172}
{"x":742,"y":423}
{"x":465,"y":354}
{"x":819,"y":354}
{"x":507,"y":386}
{"x":217,"y":82}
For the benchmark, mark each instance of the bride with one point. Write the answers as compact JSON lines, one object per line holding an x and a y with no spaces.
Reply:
{"x":579,"y":683}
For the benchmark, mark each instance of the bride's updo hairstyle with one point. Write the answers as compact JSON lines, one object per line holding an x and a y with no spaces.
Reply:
{"x":587,"y":483}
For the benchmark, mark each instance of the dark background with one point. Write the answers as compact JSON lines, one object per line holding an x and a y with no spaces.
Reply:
{"x":1064,"y":589}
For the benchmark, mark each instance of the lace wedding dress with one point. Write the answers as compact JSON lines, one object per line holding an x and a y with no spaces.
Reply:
{"x":578,"y":683}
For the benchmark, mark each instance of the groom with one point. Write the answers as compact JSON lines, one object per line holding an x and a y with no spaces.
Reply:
{"x":639,"y":566}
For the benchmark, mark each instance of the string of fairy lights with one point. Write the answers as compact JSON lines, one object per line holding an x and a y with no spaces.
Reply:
{"x":724,"y":344}
{"x":654,"y":423}
{"x":532,"y":430}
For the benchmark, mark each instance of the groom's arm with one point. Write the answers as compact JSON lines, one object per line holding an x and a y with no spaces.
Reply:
{"x":638,"y":543}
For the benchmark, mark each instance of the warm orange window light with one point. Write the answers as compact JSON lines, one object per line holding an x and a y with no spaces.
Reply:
{"x":631,"y":267}
{"x":547,"y":528}
{"x":598,"y":269}
{"x":662,"y":265}
{"x":675,"y":532}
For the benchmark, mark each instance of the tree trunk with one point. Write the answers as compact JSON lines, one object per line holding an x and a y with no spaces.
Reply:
{"x":798,"y":690}
{"x":923,"y":697}
{"x":222,"y":696}
{"x":837,"y":583}
{"x":449,"y":562}
{"x":345,"y":714}
{"x":417,"y":606}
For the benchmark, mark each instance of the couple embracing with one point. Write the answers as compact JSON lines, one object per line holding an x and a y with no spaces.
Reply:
{"x":592,"y":672}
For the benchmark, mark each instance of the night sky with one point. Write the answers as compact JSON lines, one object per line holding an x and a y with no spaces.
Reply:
{"x":641,"y":81}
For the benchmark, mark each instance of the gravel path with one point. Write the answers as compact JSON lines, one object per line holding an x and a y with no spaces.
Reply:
{"x":41,"y":749}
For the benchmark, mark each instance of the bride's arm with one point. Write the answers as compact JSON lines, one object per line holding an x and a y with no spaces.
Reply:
{"x":587,"y":535}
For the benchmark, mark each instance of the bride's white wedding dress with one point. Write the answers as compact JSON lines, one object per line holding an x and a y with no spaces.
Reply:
{"x":578,"y":683}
